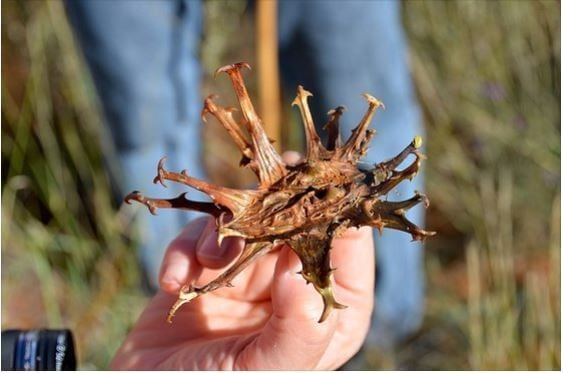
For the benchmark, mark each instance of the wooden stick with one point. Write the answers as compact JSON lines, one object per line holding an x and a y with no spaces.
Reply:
{"x":268,"y":68}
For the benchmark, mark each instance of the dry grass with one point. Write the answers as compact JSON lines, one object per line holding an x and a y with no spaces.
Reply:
{"x":487,"y":75}
{"x":66,"y":258}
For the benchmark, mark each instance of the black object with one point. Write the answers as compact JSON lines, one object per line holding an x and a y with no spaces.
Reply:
{"x":39,"y":349}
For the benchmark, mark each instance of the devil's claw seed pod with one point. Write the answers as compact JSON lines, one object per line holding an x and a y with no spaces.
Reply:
{"x":304,"y":206}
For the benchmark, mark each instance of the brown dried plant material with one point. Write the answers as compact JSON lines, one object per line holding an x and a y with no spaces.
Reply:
{"x":304,"y":206}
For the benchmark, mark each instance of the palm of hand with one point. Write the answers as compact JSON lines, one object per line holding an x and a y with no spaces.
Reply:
{"x":267,"y":321}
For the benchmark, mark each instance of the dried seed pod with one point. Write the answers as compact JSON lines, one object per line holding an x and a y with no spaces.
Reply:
{"x":304,"y":206}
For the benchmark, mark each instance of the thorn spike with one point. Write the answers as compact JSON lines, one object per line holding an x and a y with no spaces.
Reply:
{"x":269,"y":165}
{"x":400,"y":222}
{"x":224,"y":116}
{"x":233,"y":199}
{"x":132,"y":196}
{"x":315,"y":148}
{"x":159,"y":178}
{"x":396,"y":176}
{"x":184,"y":297}
{"x":333,"y":128}
{"x":179,"y":202}
{"x":230,"y":68}
{"x":359,"y":134}
{"x":329,"y":302}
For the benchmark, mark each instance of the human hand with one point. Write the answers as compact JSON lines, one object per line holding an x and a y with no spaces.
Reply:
{"x":267,"y":321}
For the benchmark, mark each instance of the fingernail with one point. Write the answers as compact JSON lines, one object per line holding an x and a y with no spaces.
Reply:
{"x":170,"y":282}
{"x":291,"y":157}
{"x":294,"y":263}
{"x":170,"y":278}
{"x":209,"y":248}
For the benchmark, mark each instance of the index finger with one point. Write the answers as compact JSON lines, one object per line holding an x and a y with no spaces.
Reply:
{"x":180,"y":264}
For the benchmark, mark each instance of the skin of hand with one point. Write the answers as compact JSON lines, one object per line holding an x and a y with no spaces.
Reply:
{"x":267,"y":321}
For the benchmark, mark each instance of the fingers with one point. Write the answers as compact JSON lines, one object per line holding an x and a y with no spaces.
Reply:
{"x":213,"y":256}
{"x":194,"y":250}
{"x":179,"y":264}
{"x":292,"y":157}
{"x":292,"y":338}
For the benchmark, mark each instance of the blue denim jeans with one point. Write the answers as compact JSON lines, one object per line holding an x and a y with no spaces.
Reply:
{"x":144,"y":61}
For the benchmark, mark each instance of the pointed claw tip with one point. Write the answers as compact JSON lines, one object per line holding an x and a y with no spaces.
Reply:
{"x":206,"y":109}
{"x":324,"y":315}
{"x":158,"y":179}
{"x":218,"y":71}
{"x":152,"y":209}
{"x":339,"y":110}
{"x":183,"y":298}
{"x":233,"y":67}
{"x":209,"y":101}
{"x":431,"y":233}
{"x":373,"y":101}
{"x":134,"y":195}
{"x":422,"y":235}
{"x":160,"y":172}
{"x":220,"y":238}
{"x":246,"y":65}
{"x":340,"y":306}
{"x":303,"y":92}
{"x":203,"y":114}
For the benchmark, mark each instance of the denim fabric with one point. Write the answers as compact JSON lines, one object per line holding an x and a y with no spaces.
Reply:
{"x":143,"y":57}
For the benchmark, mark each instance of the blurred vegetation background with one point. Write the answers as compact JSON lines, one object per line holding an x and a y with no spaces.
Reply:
{"x":488,"y":79}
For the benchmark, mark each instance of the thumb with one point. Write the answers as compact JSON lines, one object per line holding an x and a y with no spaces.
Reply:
{"x":292,"y":338}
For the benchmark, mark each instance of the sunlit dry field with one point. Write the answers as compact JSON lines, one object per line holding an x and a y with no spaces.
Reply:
{"x":487,"y":76}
